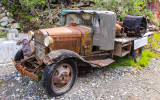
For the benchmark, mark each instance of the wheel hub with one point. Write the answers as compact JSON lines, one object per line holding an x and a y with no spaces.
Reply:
{"x":64,"y":78}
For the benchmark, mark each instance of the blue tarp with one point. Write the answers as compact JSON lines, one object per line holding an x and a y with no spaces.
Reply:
{"x":85,"y":11}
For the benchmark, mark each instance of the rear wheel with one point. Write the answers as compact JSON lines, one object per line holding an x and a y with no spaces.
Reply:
{"x":59,"y":78}
{"x":137,"y":54}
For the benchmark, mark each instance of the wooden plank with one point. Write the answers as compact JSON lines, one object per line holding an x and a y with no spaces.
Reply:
{"x":125,"y":39}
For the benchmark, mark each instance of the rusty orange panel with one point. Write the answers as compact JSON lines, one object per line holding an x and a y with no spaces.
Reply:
{"x":85,"y":33}
{"x":88,"y":48}
{"x":72,"y":44}
{"x":65,"y":31}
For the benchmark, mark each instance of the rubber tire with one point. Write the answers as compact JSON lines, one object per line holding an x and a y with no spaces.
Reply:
{"x":19,"y":55}
{"x":135,"y":55}
{"x":47,"y":78}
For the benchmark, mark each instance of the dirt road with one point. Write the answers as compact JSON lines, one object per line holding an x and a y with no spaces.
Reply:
{"x":124,"y":83}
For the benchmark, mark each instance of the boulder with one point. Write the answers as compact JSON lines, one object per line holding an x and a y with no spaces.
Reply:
{"x":2,"y":15}
{"x":9,"y":25}
{"x":2,"y":8}
{"x":10,"y":20}
{"x":1,"y":4}
{"x":4,"y":19}
{"x":11,"y":36}
{"x":13,"y":31}
{"x":15,"y":25}
{"x":4,"y":29}
{"x":9,"y":14}
{"x":3,"y":24}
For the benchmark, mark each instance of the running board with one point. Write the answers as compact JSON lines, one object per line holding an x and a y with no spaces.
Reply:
{"x":101,"y":63}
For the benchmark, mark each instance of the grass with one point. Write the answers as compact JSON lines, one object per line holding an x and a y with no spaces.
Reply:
{"x":3,"y":34}
{"x":146,"y":55}
{"x":124,"y":61}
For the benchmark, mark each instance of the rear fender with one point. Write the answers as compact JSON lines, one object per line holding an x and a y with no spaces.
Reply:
{"x":59,"y":55}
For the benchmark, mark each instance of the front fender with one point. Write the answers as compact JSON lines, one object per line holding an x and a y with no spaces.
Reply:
{"x":59,"y":55}
{"x":27,"y":46}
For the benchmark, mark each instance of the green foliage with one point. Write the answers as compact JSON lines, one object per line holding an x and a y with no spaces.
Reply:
{"x":23,"y":14}
{"x":144,"y":61}
{"x":21,"y":26}
{"x":146,"y":56}
{"x":125,"y":7}
{"x":32,"y":3}
{"x":155,"y":42}
{"x":39,"y":76}
{"x":3,"y":34}
{"x":122,"y":61}
{"x":4,"y":2}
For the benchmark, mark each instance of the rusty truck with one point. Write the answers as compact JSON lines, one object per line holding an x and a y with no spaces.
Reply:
{"x":84,"y":38}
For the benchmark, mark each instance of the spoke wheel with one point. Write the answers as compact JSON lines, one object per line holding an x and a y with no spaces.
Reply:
{"x":59,"y":78}
{"x":137,"y":54}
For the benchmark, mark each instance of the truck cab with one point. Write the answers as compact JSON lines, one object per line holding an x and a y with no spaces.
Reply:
{"x":83,"y":38}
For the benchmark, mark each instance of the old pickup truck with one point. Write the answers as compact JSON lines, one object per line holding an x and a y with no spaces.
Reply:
{"x":84,"y":38}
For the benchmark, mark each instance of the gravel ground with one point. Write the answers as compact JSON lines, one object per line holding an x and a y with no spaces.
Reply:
{"x":124,"y":83}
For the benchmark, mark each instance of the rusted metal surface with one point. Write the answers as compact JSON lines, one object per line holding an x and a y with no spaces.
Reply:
{"x":23,"y":70}
{"x":25,"y":46}
{"x":59,"y":55}
{"x":62,"y":76}
{"x":62,"y":32}
{"x":97,"y":56}
{"x":119,"y":30}
{"x":86,"y":49}
{"x":102,"y":63}
{"x":71,"y":38}
{"x":70,"y":43}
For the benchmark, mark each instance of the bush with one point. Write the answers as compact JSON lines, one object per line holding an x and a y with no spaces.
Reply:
{"x":125,"y":7}
{"x":28,"y":4}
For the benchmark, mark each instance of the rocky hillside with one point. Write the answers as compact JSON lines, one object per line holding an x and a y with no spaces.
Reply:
{"x":8,"y":26}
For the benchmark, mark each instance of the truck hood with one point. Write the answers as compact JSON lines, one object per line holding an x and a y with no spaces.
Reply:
{"x":66,"y":31}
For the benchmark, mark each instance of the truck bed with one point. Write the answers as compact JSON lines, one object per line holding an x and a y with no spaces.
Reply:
{"x":130,"y":39}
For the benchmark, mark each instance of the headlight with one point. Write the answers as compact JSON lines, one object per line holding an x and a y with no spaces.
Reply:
{"x":30,"y":35}
{"x":47,"y":41}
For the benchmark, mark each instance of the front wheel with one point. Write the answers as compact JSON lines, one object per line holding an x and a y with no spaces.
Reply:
{"x":59,"y":78}
{"x":137,"y":54}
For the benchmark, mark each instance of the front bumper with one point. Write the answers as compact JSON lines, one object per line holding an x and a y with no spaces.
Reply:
{"x":23,"y":70}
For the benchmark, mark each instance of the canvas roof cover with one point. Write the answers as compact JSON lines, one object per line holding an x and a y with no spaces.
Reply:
{"x":85,"y":11}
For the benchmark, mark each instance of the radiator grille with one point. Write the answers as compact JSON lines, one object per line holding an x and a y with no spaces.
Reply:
{"x":40,"y":48}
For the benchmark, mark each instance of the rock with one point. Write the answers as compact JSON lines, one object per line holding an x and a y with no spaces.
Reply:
{"x":9,"y":25}
{"x":2,"y":8}
{"x":18,"y":90}
{"x":5,"y":11}
{"x":13,"y":31}
{"x":15,"y":25}
{"x":4,"y":29}
{"x":17,"y":78}
{"x":3,"y":24}
{"x":45,"y":96}
{"x":10,"y":20}
{"x":2,"y":15}
{"x":0,"y":5}
{"x":9,"y":14}
{"x":34,"y":97}
{"x":4,"y":19}
{"x":30,"y":82}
